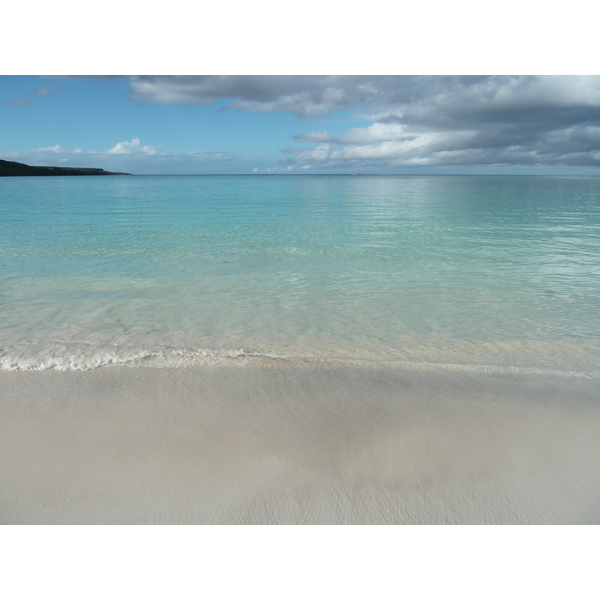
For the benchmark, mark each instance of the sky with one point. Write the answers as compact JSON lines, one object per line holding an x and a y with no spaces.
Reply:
{"x":196,"y":124}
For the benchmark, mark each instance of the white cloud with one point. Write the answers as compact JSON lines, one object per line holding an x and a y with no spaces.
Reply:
{"x":273,"y":170}
{"x":394,"y":146}
{"x":383,"y":144}
{"x":378,"y":132}
{"x":132,"y":147}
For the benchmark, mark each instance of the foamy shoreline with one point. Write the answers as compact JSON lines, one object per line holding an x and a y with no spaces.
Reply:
{"x":281,"y":443}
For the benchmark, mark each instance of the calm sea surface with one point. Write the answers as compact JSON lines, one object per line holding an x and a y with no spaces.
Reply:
{"x":461,"y":271}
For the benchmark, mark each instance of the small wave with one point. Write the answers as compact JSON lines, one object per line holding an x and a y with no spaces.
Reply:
{"x":84,"y":359}
{"x":81,"y":357}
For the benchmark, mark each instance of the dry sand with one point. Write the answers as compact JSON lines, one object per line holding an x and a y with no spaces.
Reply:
{"x":268,"y":443}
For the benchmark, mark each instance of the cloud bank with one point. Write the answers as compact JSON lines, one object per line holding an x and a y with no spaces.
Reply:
{"x":416,"y":121}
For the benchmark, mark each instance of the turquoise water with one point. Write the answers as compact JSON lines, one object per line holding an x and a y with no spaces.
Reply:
{"x":471,"y":271}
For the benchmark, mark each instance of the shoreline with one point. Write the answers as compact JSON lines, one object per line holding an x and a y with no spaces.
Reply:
{"x":186,"y":359}
{"x":227,"y":445}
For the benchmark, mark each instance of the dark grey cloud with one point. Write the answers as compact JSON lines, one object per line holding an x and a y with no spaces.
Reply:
{"x":302,"y":95}
{"x":305,"y":96}
{"x":416,"y":120}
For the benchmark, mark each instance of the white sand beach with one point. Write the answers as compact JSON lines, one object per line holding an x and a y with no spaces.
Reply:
{"x":289,"y":443}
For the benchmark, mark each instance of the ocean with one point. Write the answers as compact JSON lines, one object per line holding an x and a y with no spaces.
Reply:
{"x":481,"y":273}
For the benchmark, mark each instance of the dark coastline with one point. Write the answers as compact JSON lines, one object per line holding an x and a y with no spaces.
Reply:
{"x":15,"y":169}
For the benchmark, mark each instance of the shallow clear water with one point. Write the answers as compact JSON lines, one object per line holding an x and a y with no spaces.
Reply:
{"x":460,"y":270}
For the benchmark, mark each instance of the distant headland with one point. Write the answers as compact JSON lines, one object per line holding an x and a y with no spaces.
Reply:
{"x":9,"y":168}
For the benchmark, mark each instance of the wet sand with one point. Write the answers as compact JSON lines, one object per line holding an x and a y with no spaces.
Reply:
{"x":294,"y":443}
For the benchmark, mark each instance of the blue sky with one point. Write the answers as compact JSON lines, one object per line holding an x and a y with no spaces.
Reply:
{"x":94,"y":115}
{"x":304,"y":124}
